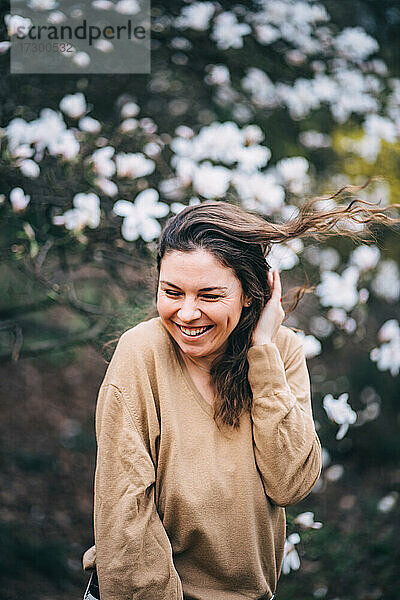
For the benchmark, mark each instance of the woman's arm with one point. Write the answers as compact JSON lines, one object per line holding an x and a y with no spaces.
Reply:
{"x":286,"y":446}
{"x":133,"y":552}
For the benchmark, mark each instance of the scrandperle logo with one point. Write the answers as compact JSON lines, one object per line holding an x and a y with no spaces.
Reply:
{"x":80,"y":37}
{"x":83,"y":31}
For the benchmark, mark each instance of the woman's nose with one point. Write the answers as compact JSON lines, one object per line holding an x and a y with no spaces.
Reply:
{"x":188,"y":312}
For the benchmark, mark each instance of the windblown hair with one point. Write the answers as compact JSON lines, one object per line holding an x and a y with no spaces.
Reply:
{"x":241,"y":241}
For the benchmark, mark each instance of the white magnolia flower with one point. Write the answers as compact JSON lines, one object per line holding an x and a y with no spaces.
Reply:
{"x":17,"y":24}
{"x":4,"y":46}
{"x":300,"y":98}
{"x":184,"y":131}
{"x":128,"y":125}
{"x":104,"y":46}
{"x":291,"y":559}
{"x":227,"y":32}
{"x":389,"y":331}
{"x":56,"y":17}
{"x":320,"y":326}
{"x":306,"y":520}
{"x":328,"y":259}
{"x":260,"y":87}
{"x":65,"y":145}
{"x":133,"y":165}
{"x":381,"y":128}
{"x":81,"y":59}
{"x":109,"y":188}
{"x":292,"y":168}
{"x":102,"y":163}
{"x":365,"y":257}
{"x":282,"y":257}
{"x":386,"y":283}
{"x":325,"y":88}
{"x":253,"y":134}
{"x":184,"y":169}
{"x":42,"y":4}
{"x":387,"y":356}
{"x":363,"y":295}
{"x":222,"y":142}
{"x":129,"y":109}
{"x":293,"y":173}
{"x":89,"y":125}
{"x":196,"y":16}
{"x":127,"y":7}
{"x":288,"y":212}
{"x":388,"y":502}
{"x":340,"y":318}
{"x":314,"y":139}
{"x":340,"y":412}
{"x":177,"y":207}
{"x":334,"y":472}
{"x":266,"y":34}
{"x":23,"y":151}
{"x":210,"y":181}
{"x":339,"y":290}
{"x":218,"y":75}
{"x":102,"y":4}
{"x":151,"y":149}
{"x":354,"y":43}
{"x":259,"y":192}
{"x":311,"y":346}
{"x":74,"y":105}
{"x":29,"y":168}
{"x":19,"y":200}
{"x":320,"y":591}
{"x":337,"y":316}
{"x":326,"y":459}
{"x":218,"y":142}
{"x":181,"y":43}
{"x":86,"y":212}
{"x":140,"y":216}
{"x":48,"y":131}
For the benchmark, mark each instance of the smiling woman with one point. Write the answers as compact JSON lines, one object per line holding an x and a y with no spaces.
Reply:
{"x":200,"y":302}
{"x":204,"y":421}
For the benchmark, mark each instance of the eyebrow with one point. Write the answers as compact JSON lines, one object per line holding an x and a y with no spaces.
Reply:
{"x":206,"y":289}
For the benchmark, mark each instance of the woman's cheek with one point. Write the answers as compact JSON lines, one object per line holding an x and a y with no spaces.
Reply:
{"x":164,"y":305}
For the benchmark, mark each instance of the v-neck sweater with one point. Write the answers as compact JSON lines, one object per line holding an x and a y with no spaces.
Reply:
{"x":184,"y":508}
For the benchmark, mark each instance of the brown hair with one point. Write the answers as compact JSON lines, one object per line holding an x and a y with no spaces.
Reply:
{"x":242,"y":240}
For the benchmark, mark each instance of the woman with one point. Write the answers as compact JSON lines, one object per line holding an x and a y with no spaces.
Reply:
{"x":204,"y":422}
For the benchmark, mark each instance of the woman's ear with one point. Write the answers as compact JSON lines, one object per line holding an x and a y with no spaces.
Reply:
{"x":247,"y":302}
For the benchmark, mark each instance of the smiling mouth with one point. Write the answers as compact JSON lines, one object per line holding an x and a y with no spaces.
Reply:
{"x":194,"y":332}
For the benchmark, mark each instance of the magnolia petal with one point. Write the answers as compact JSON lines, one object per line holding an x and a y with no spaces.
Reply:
{"x":130,"y":230}
{"x":123,"y":208}
{"x":342,"y":431}
{"x":149,"y":229}
{"x":145,"y":198}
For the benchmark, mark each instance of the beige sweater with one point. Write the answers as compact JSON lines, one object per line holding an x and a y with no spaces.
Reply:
{"x":182,"y":508}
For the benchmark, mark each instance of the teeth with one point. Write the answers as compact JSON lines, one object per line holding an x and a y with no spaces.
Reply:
{"x":192,"y":332}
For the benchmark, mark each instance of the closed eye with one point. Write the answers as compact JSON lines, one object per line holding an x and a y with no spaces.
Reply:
{"x":175,"y":294}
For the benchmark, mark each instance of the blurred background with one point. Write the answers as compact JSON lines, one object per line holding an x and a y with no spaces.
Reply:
{"x":262,"y":103}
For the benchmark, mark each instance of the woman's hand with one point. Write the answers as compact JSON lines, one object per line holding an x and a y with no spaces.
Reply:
{"x":272,"y":314}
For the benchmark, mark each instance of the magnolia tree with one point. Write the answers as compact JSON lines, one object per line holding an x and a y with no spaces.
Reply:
{"x":264,"y":104}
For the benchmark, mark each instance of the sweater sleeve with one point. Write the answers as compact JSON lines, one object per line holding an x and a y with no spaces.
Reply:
{"x":286,"y":446}
{"x":133,"y":552}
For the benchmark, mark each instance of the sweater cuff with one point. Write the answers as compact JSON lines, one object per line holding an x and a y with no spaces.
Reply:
{"x":266,"y":371}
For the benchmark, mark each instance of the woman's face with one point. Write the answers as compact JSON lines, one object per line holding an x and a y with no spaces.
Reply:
{"x":199,"y":301}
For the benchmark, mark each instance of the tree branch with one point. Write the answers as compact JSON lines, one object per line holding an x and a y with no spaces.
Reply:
{"x":39,"y":348}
